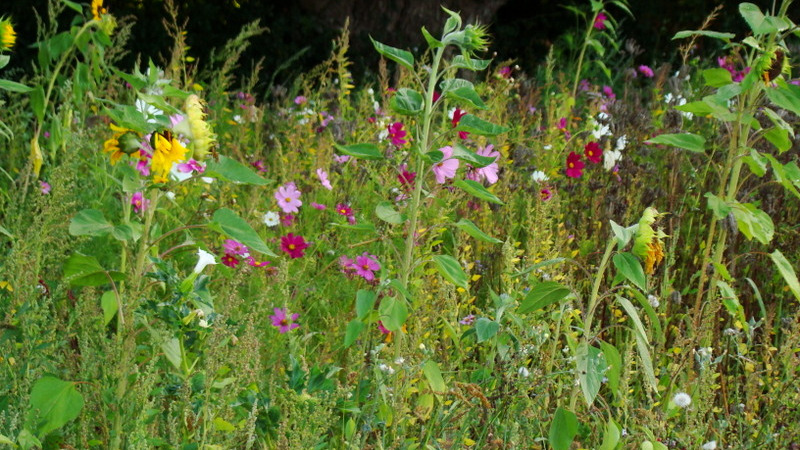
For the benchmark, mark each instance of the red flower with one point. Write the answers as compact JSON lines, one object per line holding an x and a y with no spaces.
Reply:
{"x":593,"y":152}
{"x":457,"y":115}
{"x":230,"y":260}
{"x":574,"y":165}
{"x":293,"y":245}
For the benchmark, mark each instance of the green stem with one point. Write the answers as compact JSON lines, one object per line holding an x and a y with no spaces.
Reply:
{"x":582,"y":54}
{"x":598,"y":279}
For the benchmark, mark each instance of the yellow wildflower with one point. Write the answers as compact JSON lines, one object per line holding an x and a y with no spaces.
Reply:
{"x":166,"y":151}
{"x":203,"y":137}
{"x":98,"y":10}
{"x":112,"y":145}
{"x":655,"y":254}
{"x":8,"y":37}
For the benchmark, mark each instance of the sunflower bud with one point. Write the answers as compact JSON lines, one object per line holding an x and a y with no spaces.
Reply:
{"x":8,"y":37}
{"x":203,"y":137}
{"x":129,"y":143}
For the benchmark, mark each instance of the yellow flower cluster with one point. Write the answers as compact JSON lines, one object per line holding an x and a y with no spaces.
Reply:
{"x":8,"y":37}
{"x":203,"y":137}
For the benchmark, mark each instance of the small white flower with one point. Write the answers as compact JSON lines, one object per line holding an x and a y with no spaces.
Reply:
{"x":539,"y":176}
{"x":622,"y":142}
{"x":705,"y":352}
{"x":386,"y":368}
{"x":710,"y":445}
{"x":421,"y":346}
{"x":682,"y":400}
{"x":653,"y":300}
{"x":170,"y":195}
{"x":271,"y":219}
{"x":610,"y":159}
{"x":199,"y":313}
{"x":238,"y":119}
{"x":602,"y":116}
{"x":370,"y":91}
{"x":524,"y":372}
{"x":601,"y":131}
{"x":203,"y":324}
{"x":204,"y":259}
{"x":399,"y":361}
{"x":547,"y":147}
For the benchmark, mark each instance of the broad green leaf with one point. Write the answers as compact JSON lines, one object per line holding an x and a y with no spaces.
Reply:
{"x":393,"y":313}
{"x":395,"y":283}
{"x":223,"y":425}
{"x":486,"y":329}
{"x":731,"y":303}
{"x":54,"y":403}
{"x":712,"y":34}
{"x":451,"y":270}
{"x":623,"y":234}
{"x":365,"y":303}
{"x":647,"y":445}
{"x":641,"y":343}
{"x":784,"y":174}
{"x":614,"y":361}
{"x":354,"y":328}
{"x":13,"y":86}
{"x":432,"y":41}
{"x":467,"y":95}
{"x":237,"y":228}
{"x":6,"y":441}
{"x":37,"y":102}
{"x":4,"y":60}
{"x":407,"y":102}
{"x":777,"y":120}
{"x":612,"y":436}
{"x":757,"y":163}
{"x":630,"y":267}
{"x":473,"y":124}
{"x":471,"y":229}
{"x":591,"y":366}
{"x":90,"y":222}
{"x":753,"y":222}
{"x":786,"y":96}
{"x":779,"y":137}
{"x":460,"y":62}
{"x":73,"y":6}
{"x":543,"y":295}
{"x":563,"y":429}
{"x":402,"y":57}
{"x":717,"y":206}
{"x":758,"y":22}
{"x":787,"y":271}
{"x":688,"y":141}
{"x":110,"y":306}
{"x":717,"y":77}
{"x":231,"y":170}
{"x":434,"y":376}
{"x":386,"y":212}
{"x":467,"y":155}
{"x":363,"y":151}
{"x":123,"y":232}
{"x":451,"y":84}
{"x":477,"y":189}
{"x":172,"y":351}
{"x":85,"y":270}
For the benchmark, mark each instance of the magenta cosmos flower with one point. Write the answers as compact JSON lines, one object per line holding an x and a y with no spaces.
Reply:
{"x":293,"y":245}
{"x":600,"y":21}
{"x":139,"y":203}
{"x":446,"y":168}
{"x":457,"y":115}
{"x":574,"y":165}
{"x":646,"y":71}
{"x":283,"y":321}
{"x":235,"y":247}
{"x":593,"y":152}
{"x":365,"y":265}
{"x":397,"y":133}
{"x":488,"y":173}
{"x":288,"y":198}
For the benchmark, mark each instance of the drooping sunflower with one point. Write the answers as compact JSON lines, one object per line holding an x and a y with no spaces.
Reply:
{"x":8,"y":37}
{"x":98,"y":10}
{"x":123,"y":142}
{"x":166,"y":151}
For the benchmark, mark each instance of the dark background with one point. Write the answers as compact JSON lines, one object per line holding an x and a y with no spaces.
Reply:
{"x":521,"y":30}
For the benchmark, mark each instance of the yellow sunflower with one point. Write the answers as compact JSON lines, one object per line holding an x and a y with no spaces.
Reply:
{"x":166,"y":151}
{"x":8,"y":37}
{"x":113,"y":146}
{"x":98,"y":10}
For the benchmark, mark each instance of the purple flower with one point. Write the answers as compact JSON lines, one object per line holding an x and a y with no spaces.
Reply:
{"x":45,"y":187}
{"x":139,"y":202}
{"x":467,"y":320}
{"x":191,"y":166}
{"x":608,"y":92}
{"x":323,"y":178}
{"x":600,"y":21}
{"x":365,"y":265}
{"x":446,"y":168}
{"x":299,"y":100}
{"x":235,"y":247}
{"x":318,"y":206}
{"x":282,"y":321}
{"x":646,"y":71}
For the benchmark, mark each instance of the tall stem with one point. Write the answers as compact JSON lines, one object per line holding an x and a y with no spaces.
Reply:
{"x":582,"y":54}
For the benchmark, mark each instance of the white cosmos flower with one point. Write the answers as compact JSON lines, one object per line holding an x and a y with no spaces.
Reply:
{"x":710,"y":445}
{"x":622,"y":142}
{"x":539,"y":176}
{"x":271,"y":219}
{"x":610,"y":159}
{"x":204,"y":259}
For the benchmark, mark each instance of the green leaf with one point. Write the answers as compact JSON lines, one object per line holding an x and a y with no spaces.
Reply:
{"x":13,"y":86}
{"x":432,"y":41}
{"x":4,"y":60}
{"x":731,"y":303}
{"x":172,"y":351}
{"x":231,"y":170}
{"x":753,"y":222}
{"x":786,"y":96}
{"x":110,"y":306}
{"x":236,"y":228}
{"x":591,"y":366}
{"x":386,"y":212}
{"x":407,"y":102}
{"x":363,"y":151}
{"x":84,"y":270}
{"x":73,"y":6}
{"x":402,"y":57}
{"x":614,"y":361}
{"x":474,"y":188}
{"x":641,"y":343}
{"x":90,"y":222}
{"x":779,"y":137}
{"x":459,"y":62}
{"x":473,"y":124}
{"x":692,"y":142}
{"x":630,"y":268}
{"x":123,"y":232}
{"x":451,"y":270}
{"x":786,"y":270}
{"x":451,"y":84}
{"x":467,"y":155}
{"x":354,"y":328}
{"x":5,"y":232}
{"x":623,"y":234}
{"x":717,"y":77}
{"x":365,"y":303}
{"x":471,"y":229}
{"x":647,"y":445}
{"x":757,"y":21}
{"x":718,"y":206}
{"x":467,"y":95}
{"x":784,"y":174}
{"x":563,"y":429}
{"x":54,"y":403}
{"x":486,"y":329}
{"x":393,"y":313}
{"x":37,"y":102}
{"x":434,"y":376}
{"x":644,"y":303}
{"x":4,"y":440}
{"x":712,"y":34}
{"x":612,"y":436}
{"x":543,"y":295}
{"x":358,"y":227}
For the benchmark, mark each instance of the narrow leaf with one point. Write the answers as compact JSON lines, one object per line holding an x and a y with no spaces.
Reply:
{"x":434,"y":376}
{"x":471,"y":229}
{"x":476,"y":189}
{"x":363,"y":151}
{"x":237,"y":228}
{"x":688,"y":141}
{"x":786,"y":270}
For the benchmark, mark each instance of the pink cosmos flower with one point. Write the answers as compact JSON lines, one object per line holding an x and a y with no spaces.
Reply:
{"x":562,"y":124}
{"x":44,"y":186}
{"x":323,"y":178}
{"x":139,"y":203}
{"x":488,"y":173}
{"x":287,"y":220}
{"x":341,"y":159}
{"x":467,"y":320}
{"x":646,"y":71}
{"x":259,"y":165}
{"x":574,"y":165}
{"x":191,"y":166}
{"x":457,"y":115}
{"x":284,"y":322}
{"x":397,"y":133}
{"x":365,"y":265}
{"x":348,"y":266}
{"x":299,"y":100}
{"x":406,"y":178}
{"x":233,"y":247}
{"x":344,"y":209}
{"x":318,"y":206}
{"x":608,"y":92}
{"x":600,"y":21}
{"x":545,"y":194}
{"x":293,"y":245}
{"x":143,"y":167}
{"x":446,"y":168}
{"x":288,"y":198}
{"x":593,"y":152}
{"x":252,"y":262}
{"x":229,"y":260}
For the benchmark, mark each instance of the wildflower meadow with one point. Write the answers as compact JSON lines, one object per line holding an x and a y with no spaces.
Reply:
{"x":450,"y":252}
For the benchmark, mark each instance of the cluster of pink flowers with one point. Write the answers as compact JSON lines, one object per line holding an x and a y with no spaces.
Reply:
{"x":736,"y":75}
{"x":235,"y":252}
{"x":592,"y":151}
{"x":364,"y":266}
